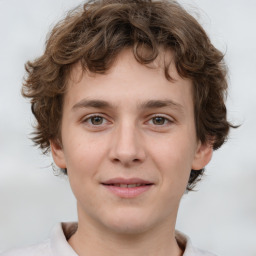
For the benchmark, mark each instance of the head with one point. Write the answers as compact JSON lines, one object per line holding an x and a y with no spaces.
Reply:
{"x":95,"y":34}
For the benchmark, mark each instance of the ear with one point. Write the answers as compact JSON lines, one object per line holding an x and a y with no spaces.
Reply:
{"x":202,"y":156}
{"x":58,"y":154}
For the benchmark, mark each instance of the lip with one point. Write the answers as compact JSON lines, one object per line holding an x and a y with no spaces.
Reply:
{"x":127,"y":192}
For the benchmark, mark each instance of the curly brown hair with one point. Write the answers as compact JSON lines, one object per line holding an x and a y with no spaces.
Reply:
{"x":97,"y":31}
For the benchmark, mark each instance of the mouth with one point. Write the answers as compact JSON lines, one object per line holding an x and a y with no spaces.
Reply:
{"x":127,"y":185}
{"x":127,"y":188}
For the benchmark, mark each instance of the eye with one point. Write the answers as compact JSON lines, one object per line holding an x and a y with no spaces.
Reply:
{"x":160,"y":121}
{"x":95,"y":120}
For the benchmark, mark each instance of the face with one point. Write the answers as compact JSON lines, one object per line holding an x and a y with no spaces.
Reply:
{"x":129,"y":144}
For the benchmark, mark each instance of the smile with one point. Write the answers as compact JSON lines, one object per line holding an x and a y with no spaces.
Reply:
{"x":127,"y":188}
{"x":127,"y":185}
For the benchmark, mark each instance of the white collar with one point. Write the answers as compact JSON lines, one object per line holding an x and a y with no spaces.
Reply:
{"x":58,"y":239}
{"x":63,"y":231}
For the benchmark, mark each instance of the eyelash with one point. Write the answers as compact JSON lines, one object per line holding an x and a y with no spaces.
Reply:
{"x":166,"y":120}
{"x":94,"y":116}
{"x":88,"y":120}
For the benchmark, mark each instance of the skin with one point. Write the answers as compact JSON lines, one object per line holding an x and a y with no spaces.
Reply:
{"x":128,"y":138}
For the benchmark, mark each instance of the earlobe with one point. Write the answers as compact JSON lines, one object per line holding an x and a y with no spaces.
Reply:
{"x":58,"y":154}
{"x":203,"y":156}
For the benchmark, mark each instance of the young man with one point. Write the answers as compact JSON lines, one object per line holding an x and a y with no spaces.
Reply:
{"x":129,"y":99}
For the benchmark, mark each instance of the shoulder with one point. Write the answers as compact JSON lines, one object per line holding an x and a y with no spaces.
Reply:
{"x":56,"y":245}
{"x":189,"y":250}
{"x":42,"y":249}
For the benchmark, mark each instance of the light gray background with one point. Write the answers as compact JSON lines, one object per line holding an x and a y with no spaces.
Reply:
{"x":220,"y":217}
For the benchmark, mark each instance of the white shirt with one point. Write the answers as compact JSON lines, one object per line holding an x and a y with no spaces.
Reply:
{"x":57,"y":244}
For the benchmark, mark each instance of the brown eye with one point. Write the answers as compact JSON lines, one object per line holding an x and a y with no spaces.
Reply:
{"x":159,"y":120}
{"x":96,"y":120}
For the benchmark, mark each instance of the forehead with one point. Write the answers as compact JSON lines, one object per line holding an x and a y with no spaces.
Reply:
{"x":128,"y":79}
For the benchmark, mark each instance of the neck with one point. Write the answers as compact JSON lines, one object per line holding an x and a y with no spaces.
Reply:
{"x":88,"y":240}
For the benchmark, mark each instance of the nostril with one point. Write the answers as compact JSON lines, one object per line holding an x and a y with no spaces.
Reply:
{"x":134,"y":160}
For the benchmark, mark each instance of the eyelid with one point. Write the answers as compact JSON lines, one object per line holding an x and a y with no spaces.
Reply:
{"x":166,"y":117}
{"x":89,"y":116}
{"x":85,"y":119}
{"x":171,"y":119}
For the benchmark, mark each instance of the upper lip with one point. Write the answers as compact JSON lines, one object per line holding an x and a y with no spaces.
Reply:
{"x":126,"y":181}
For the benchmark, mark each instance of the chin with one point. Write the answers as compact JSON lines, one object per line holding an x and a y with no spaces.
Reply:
{"x":129,"y":222}
{"x":128,"y":228}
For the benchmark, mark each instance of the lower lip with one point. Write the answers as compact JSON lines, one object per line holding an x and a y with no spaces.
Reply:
{"x":128,"y":192}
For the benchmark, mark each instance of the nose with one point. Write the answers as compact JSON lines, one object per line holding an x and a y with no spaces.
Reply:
{"x":127,"y":145}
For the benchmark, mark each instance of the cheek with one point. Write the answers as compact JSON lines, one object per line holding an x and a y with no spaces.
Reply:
{"x":84,"y":157}
{"x":82,"y":165}
{"x":174,"y":157}
{"x":173,"y":151}
{"x":83,"y":151}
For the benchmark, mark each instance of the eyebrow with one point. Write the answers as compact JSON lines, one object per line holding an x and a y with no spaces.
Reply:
{"x":161,"y":104}
{"x":85,"y":103}
{"x":102,"y":104}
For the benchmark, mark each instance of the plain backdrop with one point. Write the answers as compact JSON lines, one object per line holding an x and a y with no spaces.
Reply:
{"x":220,"y":217}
